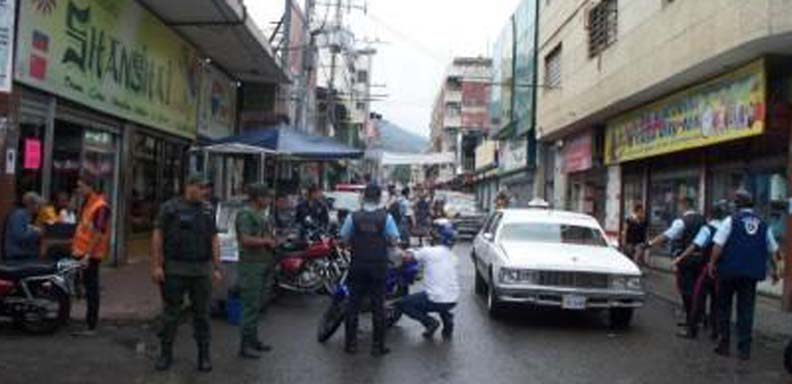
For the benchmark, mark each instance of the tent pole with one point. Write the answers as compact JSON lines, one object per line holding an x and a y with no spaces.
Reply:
{"x":262,"y":163}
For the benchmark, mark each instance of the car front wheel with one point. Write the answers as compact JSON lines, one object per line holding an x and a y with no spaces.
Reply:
{"x":480,"y":285}
{"x":494,"y":305}
{"x":621,"y":318}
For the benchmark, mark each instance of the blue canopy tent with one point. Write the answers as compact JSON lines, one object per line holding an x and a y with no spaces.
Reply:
{"x":285,"y":141}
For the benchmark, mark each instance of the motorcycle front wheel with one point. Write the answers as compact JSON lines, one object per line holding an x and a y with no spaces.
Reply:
{"x":331,"y":320}
{"x":53,"y":309}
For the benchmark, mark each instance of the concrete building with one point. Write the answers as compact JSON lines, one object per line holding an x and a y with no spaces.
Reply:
{"x":652,"y":101}
{"x":460,"y":114}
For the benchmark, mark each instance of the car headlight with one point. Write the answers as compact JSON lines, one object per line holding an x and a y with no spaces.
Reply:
{"x":626,"y":283}
{"x":511,"y":276}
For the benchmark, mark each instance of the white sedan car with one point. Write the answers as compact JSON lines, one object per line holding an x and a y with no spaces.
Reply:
{"x":554,"y":258}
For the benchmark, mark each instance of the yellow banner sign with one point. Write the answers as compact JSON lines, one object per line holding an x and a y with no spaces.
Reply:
{"x":726,"y":108}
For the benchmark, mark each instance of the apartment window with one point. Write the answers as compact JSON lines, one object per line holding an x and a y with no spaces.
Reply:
{"x":362,"y":77}
{"x":602,"y":26}
{"x":453,"y":109}
{"x":360,"y":106}
{"x":553,"y":68}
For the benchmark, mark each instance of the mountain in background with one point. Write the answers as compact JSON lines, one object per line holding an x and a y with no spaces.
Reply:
{"x":393,"y":138}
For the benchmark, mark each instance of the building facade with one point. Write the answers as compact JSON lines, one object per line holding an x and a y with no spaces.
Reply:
{"x":512,"y":106}
{"x":654,"y":101}
{"x":460,"y":117}
{"x":122,"y":102}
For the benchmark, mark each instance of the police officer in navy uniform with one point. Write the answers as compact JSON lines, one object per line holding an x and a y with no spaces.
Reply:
{"x":700,"y":251}
{"x":370,"y":232}
{"x":681,"y":233}
{"x":743,"y":248}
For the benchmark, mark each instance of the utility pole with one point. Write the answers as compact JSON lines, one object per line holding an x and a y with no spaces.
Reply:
{"x":306,"y":94}
{"x":335,"y":48}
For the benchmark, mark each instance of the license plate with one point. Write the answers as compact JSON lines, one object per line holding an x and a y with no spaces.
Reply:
{"x":574,"y":302}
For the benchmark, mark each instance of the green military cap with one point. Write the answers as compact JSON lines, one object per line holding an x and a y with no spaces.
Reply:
{"x":197,"y":179}
{"x":258,"y":190}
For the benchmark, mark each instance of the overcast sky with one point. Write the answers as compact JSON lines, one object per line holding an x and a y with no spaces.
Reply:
{"x":419,"y":38}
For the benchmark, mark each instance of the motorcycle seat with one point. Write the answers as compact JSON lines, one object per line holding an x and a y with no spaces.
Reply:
{"x":16,"y":271}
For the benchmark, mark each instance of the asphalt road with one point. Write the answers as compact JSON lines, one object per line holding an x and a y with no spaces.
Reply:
{"x":528,"y":346}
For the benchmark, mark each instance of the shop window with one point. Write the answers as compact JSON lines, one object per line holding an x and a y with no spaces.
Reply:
{"x":768,"y":187}
{"x":633,"y":193}
{"x":665,"y":193}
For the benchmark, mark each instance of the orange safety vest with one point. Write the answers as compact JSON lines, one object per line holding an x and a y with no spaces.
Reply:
{"x":86,"y":231}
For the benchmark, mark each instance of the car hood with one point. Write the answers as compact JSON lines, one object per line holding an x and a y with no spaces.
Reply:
{"x":567,"y":257}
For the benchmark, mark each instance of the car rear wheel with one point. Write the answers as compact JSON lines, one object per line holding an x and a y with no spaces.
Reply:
{"x":621,"y":318}
{"x":494,"y":305}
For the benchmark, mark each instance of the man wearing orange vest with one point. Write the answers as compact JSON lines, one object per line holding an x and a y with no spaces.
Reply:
{"x":91,"y":245}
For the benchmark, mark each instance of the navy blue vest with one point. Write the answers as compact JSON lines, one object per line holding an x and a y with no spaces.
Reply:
{"x":369,"y":244}
{"x":745,"y":252}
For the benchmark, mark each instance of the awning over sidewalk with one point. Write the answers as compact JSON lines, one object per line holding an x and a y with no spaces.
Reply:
{"x":224,"y":31}
{"x":285,"y":140}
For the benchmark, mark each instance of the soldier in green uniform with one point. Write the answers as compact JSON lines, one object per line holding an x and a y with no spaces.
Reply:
{"x":256,"y":238}
{"x":185,"y":258}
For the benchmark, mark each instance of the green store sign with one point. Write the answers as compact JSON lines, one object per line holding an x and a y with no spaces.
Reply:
{"x":111,"y":55}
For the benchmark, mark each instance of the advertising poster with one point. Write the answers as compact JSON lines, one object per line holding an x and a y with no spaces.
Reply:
{"x":7,"y":18}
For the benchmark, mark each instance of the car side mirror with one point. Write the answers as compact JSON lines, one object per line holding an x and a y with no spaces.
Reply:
{"x":488,"y":236}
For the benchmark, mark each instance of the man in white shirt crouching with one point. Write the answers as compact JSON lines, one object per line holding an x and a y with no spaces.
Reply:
{"x":441,"y":285}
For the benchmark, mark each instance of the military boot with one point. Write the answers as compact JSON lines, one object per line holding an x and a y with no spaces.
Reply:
{"x":204,"y":359}
{"x":165,"y":358}
{"x":248,"y":351}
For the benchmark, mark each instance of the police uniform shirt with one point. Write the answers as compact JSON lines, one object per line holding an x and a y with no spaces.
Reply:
{"x":391,"y":231}
{"x":703,"y":238}
{"x":677,"y":228}
{"x":722,"y":235}
{"x":171,"y":207}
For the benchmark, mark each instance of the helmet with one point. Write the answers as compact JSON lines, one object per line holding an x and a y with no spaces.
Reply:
{"x":444,"y":233}
{"x":743,"y":199}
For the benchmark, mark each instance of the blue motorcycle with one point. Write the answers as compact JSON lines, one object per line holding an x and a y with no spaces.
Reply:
{"x":397,"y":285}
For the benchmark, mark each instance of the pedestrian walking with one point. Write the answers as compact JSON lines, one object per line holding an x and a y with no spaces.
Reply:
{"x":634,"y":234}
{"x":185,"y":259}
{"x":370,"y":232}
{"x":255,"y":230}
{"x":699,"y":252}
{"x":681,"y":234}
{"x":423,"y":216}
{"x":440,"y":281}
{"x":91,"y":245}
{"x":744,"y":245}
{"x":406,"y":222}
{"x":502,"y":200}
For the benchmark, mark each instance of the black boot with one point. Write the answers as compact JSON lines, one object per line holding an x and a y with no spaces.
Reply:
{"x":379,"y":350}
{"x":261,"y":347}
{"x":248,"y":351}
{"x":351,"y":347}
{"x":204,"y":359}
{"x":165,"y":358}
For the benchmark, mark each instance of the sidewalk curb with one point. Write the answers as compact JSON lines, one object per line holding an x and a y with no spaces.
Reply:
{"x":676,"y":302}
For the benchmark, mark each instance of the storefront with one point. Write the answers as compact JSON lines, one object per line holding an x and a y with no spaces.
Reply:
{"x":705,"y":142}
{"x":116,"y":101}
{"x":585,"y":183}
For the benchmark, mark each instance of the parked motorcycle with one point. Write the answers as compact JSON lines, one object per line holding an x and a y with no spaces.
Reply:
{"x":399,"y":277}
{"x":36,"y":295}
{"x":311,"y":265}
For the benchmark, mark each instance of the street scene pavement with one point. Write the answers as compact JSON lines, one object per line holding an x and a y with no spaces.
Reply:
{"x":526,"y":346}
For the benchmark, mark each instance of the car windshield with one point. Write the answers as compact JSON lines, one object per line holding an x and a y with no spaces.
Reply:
{"x":553,"y":233}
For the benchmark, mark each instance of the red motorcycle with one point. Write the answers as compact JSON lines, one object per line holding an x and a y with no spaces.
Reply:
{"x":310,"y":266}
